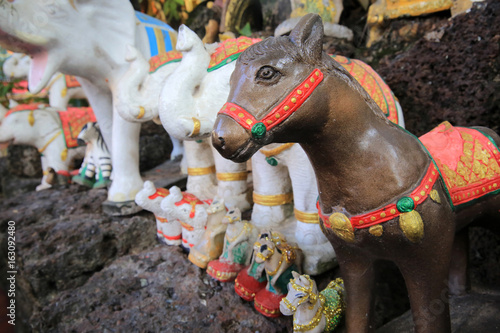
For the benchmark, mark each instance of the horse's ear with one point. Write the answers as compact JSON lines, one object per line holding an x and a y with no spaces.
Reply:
{"x":295,"y":274}
{"x":308,"y":35}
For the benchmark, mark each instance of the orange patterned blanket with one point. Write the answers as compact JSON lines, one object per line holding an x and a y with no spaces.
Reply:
{"x":72,"y":122}
{"x":162,"y":59}
{"x":230,"y":50}
{"x":468,"y":160}
{"x":373,"y":84}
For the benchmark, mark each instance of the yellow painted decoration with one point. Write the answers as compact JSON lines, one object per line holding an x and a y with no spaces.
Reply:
{"x":64,"y":154}
{"x":311,"y":218}
{"x":342,"y":227}
{"x":201,"y":171}
{"x":141,"y":112}
{"x":64,"y":92}
{"x":412,"y":226}
{"x":277,"y":150}
{"x":232,"y":176}
{"x":41,"y":150}
{"x":272,"y":200}
{"x":376,"y":230}
{"x":196,"y":126}
{"x":31,"y":118}
{"x":435,"y":196}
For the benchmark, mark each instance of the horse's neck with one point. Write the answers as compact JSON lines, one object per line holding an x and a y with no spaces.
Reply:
{"x":305,"y":315}
{"x":234,"y":229}
{"x":361,"y":160}
{"x":215,"y":218}
{"x":274,"y":262}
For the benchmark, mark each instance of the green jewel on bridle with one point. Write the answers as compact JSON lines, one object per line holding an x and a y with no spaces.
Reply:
{"x":290,"y":104}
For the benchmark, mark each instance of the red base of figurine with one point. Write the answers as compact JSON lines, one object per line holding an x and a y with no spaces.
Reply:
{"x":268,"y":303}
{"x":246,"y":286}
{"x":223,"y":271}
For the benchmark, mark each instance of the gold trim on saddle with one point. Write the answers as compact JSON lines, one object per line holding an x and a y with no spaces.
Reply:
{"x":272,"y":200}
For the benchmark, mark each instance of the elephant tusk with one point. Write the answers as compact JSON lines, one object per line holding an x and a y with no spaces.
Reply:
{"x":196,"y":127}
{"x":30,"y":38}
{"x":142,"y":111}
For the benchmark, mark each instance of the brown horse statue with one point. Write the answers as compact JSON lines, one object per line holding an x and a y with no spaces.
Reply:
{"x":381,"y":195}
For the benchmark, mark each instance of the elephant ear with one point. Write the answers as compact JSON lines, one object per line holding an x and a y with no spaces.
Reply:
{"x":308,"y":36}
{"x":112,"y":21}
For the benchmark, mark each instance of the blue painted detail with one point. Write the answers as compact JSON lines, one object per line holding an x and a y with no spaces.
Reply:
{"x":151,"y":20}
{"x":167,"y":40}
{"x":153,"y":47}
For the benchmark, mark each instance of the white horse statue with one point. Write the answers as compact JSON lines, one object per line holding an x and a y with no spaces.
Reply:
{"x":313,"y":312}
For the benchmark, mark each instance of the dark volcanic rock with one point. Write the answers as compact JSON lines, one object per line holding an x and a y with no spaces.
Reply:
{"x":451,"y":74}
{"x":154,"y":146}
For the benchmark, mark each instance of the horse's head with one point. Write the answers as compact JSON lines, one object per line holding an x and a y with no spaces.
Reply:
{"x":301,"y":290}
{"x":277,"y":93}
{"x":267,"y":244}
{"x":232,"y":216}
{"x":216,"y":206}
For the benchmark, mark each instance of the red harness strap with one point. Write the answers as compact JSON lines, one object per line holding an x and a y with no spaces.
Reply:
{"x":280,"y":113}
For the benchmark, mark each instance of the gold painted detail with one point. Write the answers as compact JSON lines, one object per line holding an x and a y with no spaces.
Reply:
{"x":196,"y":127}
{"x":314,"y":321}
{"x":342,"y":226}
{"x":232,"y":176}
{"x":412,"y":226}
{"x":435,"y":196}
{"x":64,"y":154}
{"x":277,"y":150}
{"x":272,"y":200}
{"x":201,"y":171}
{"x":312,"y":218}
{"x":31,"y":118}
{"x":376,"y":230}
{"x":142,"y":111}
{"x":41,"y":150}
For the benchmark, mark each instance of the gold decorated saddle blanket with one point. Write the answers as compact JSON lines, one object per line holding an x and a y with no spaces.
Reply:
{"x":163,"y":59}
{"x":374,"y":85}
{"x":230,"y":50}
{"x":72,"y":122}
{"x":467,"y":159}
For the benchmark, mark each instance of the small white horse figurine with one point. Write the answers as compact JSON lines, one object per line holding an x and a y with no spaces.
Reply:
{"x":313,"y":312}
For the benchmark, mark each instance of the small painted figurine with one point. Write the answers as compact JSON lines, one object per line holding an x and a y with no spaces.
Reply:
{"x":96,"y":167}
{"x":149,"y":198}
{"x":238,"y":241}
{"x":313,"y":312}
{"x":279,"y":259}
{"x":54,"y":133}
{"x":210,"y":246}
{"x":190,"y":211}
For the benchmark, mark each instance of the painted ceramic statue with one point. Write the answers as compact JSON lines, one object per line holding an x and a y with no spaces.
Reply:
{"x":212,"y":242}
{"x":167,"y":231}
{"x":238,"y":246}
{"x":313,"y":312}
{"x":188,"y":104}
{"x":279,"y":259}
{"x":382,"y":195}
{"x":96,"y":168}
{"x":54,"y":133}
{"x":60,"y":88}
{"x":88,"y":39}
{"x":191,"y":213}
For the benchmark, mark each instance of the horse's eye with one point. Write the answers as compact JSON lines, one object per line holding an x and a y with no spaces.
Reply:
{"x":267,"y":73}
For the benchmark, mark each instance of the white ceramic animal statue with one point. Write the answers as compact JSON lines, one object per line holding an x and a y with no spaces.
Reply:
{"x":88,"y":39}
{"x":139,"y":88}
{"x":54,"y":133}
{"x":60,"y":88}
{"x":149,"y":198}
{"x":280,"y":259}
{"x":212,"y":242}
{"x":313,"y":312}
{"x":190,"y":211}
{"x":189,"y":101}
{"x":96,"y":168}
{"x":238,"y":246}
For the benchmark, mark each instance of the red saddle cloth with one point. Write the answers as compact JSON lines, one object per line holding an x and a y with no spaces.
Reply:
{"x":72,"y":122}
{"x":467,"y":159}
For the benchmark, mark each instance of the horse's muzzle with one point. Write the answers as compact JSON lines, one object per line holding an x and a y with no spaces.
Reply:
{"x":229,"y":138}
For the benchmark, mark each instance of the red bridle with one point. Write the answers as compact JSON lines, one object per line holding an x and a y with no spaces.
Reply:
{"x":288,"y":105}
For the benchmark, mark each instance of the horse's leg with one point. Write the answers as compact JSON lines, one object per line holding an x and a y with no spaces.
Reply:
{"x":358,"y":274}
{"x":459,"y":281}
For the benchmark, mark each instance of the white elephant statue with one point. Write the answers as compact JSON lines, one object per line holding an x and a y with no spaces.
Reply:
{"x":188,"y":104}
{"x":60,"y":88}
{"x":167,"y":231}
{"x":190,"y":211}
{"x":88,"y":39}
{"x":54,"y":133}
{"x":96,"y":168}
